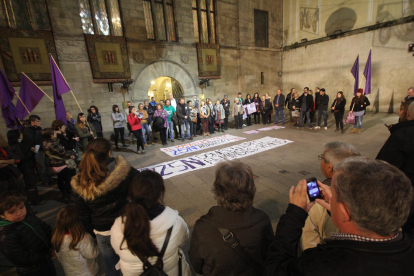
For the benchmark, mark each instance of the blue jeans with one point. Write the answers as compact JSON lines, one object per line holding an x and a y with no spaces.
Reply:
{"x":358,"y":121}
{"x":325,"y":117}
{"x":187,"y":126}
{"x":108,"y":254}
{"x":145,"y":129}
{"x":277,"y":116}
{"x":171,"y":128}
{"x":302,"y":113}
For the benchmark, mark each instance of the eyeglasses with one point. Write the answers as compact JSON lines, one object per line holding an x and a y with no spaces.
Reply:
{"x":320,"y":157}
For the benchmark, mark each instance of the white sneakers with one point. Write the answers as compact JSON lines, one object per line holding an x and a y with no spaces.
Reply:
{"x":318,"y":127}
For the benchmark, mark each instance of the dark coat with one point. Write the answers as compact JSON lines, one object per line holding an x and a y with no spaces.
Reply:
{"x":335,"y":257}
{"x":32,"y":136}
{"x":226,"y":106}
{"x":265,"y":107}
{"x":361,"y":105}
{"x":322,"y":102}
{"x":295,"y":103}
{"x":71,"y":130}
{"x":99,"y":208}
{"x":210,"y":255}
{"x":27,"y":248}
{"x":309,"y":102}
{"x":24,"y":155}
{"x":96,"y":124}
{"x":281,"y":102}
{"x":182,"y":112}
{"x":340,"y":107}
{"x":68,"y":144}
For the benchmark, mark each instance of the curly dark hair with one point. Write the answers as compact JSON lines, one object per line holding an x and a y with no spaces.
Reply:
{"x":96,"y":109}
{"x":234,"y":187}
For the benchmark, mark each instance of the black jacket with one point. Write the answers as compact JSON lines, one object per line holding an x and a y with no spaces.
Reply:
{"x":309,"y":102}
{"x":25,"y":158}
{"x":99,"y":208}
{"x":295,"y":103}
{"x":340,"y":106}
{"x":68,"y":144}
{"x":181,"y":112}
{"x":211,"y":255}
{"x":281,"y":102}
{"x":265,"y":106}
{"x":322,"y":102}
{"x":335,"y":257}
{"x":288,"y":101}
{"x":26,"y":244}
{"x":96,"y":124}
{"x":226,"y":106}
{"x":32,"y":136}
{"x":361,"y":105}
{"x":71,"y":130}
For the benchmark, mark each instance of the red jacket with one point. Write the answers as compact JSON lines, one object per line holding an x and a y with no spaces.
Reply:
{"x":134,"y":122}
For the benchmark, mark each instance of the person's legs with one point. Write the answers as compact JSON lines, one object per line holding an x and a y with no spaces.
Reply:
{"x":360,"y":121}
{"x":138,"y":135}
{"x":108,"y":254}
{"x":31,"y":186}
{"x":336,"y":115}
{"x":143,"y":134}
{"x":325,"y":117}
{"x":341,"y":120}
{"x":67,"y":177}
{"x":319,"y":117}
{"x":187,"y":126}
{"x":308,"y":118}
{"x":170,"y":128}
{"x":283,"y":116}
{"x":116,"y":130}
{"x":276,"y":116}
{"x":100,"y":134}
{"x":163,"y":135}
{"x":182,"y":131}
{"x":122,"y":132}
{"x":148,"y":131}
{"x":302,"y":113}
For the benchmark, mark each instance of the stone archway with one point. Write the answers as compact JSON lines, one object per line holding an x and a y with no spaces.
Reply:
{"x":162,"y":68}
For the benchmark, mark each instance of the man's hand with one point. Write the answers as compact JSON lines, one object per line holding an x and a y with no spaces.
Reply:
{"x":299,"y":196}
{"x":185,"y":117}
{"x":327,"y":195}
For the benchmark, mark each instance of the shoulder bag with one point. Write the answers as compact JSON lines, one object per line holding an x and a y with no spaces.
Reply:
{"x":350,"y":117}
{"x":69,"y":162}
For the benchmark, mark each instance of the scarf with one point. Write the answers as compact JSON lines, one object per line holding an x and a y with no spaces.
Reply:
{"x":96,"y":117}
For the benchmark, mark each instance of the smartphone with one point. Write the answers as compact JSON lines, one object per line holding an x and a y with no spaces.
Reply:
{"x":388,"y":126}
{"x":313,"y":189}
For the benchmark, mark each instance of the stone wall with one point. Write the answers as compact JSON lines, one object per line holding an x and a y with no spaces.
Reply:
{"x":328,"y":65}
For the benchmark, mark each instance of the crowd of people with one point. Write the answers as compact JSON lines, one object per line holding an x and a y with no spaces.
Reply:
{"x":363,"y":224}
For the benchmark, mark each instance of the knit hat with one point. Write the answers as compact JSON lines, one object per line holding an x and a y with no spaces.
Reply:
{"x":360,"y":90}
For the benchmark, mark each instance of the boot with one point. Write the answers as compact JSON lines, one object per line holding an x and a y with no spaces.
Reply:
{"x":204,"y":134}
{"x":359,"y":131}
{"x":208,"y":134}
{"x":354,"y":130}
{"x":222,"y":128}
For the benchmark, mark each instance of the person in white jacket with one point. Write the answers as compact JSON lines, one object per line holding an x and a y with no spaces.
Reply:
{"x":142,"y":229}
{"x":75,"y":249}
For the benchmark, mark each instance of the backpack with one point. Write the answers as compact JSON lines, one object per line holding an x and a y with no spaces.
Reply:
{"x":157,"y":124}
{"x":157,"y":269}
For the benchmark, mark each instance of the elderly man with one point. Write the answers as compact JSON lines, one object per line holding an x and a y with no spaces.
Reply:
{"x":278,"y":103}
{"x":369,"y":201}
{"x":410,"y":96}
{"x":318,"y":225}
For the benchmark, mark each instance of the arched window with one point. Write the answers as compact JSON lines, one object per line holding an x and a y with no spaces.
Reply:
{"x":163,"y":27}
{"x":24,"y":14}
{"x":100,"y":17}
{"x":204,"y":21}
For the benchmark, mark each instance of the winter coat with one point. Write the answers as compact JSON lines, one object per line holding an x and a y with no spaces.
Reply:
{"x":206,"y":111}
{"x":226,"y":106}
{"x":24,"y":157}
{"x":26,"y":244}
{"x":309,"y":102}
{"x":95,"y":120}
{"x":182,"y":112}
{"x":70,"y":129}
{"x":152,"y":106}
{"x":238,"y":109}
{"x":335,"y":257}
{"x":81,"y":262}
{"x":118,"y":119}
{"x":211,"y":255}
{"x":340,"y":106}
{"x":134,"y":121}
{"x":145,"y":116}
{"x":295,"y":103}
{"x":163,"y":114}
{"x":265,"y":106}
{"x":288,"y":101}
{"x":53,"y":147}
{"x":361,"y":105}
{"x":68,"y":144}
{"x":85,"y":135}
{"x":32,"y":136}
{"x":281,"y":102}
{"x":322,"y":102}
{"x":99,"y":208}
{"x":131,"y":265}
{"x":220,"y":112}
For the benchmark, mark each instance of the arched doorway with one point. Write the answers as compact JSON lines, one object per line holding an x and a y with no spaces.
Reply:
{"x":161,"y":87}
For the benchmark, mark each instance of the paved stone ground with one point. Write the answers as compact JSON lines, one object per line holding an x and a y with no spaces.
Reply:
{"x":276,"y":169}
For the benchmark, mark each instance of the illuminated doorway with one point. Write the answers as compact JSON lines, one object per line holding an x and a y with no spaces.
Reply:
{"x":161,"y":87}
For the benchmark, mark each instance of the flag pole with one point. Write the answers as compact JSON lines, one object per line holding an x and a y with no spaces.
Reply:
{"x":22,"y":104}
{"x":39,"y":88}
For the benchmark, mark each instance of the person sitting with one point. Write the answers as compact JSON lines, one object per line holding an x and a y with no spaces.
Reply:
{"x":24,"y":238}
{"x":369,"y":201}
{"x":138,"y":235}
{"x":85,"y":130}
{"x":319,"y":225}
{"x":212,"y":250}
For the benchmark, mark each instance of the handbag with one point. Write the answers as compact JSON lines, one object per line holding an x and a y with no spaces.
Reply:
{"x":350,"y":117}
{"x":332,"y":110}
{"x":69,"y":162}
{"x":194,"y":119}
{"x":174,"y":119}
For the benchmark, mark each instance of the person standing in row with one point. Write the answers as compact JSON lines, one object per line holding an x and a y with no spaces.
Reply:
{"x":193,"y":119}
{"x":322,"y":102}
{"x":295,"y":108}
{"x":248,"y":101}
{"x":196,"y":104}
{"x":95,"y":119}
{"x":171,"y":111}
{"x":118,"y":120}
{"x":238,"y":112}
{"x":219,"y":110}
{"x":306,"y":103}
{"x":338,"y":109}
{"x":278,"y":103}
{"x":144,"y":125}
{"x":269,"y":99}
{"x":130,"y":135}
{"x":265,"y":106}
{"x":152,"y":106}
{"x":358,"y":106}
{"x":226,"y":105}
{"x":183,"y":114}
{"x":212,"y":117}
{"x":289,"y":102}
{"x":256,"y":100}
{"x":160,"y":112}
{"x":134,"y":120}
{"x":173,"y":103}
{"x":85,"y":130}
{"x":204,"y":115}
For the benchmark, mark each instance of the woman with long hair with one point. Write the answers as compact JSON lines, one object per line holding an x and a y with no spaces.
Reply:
{"x":160,"y":112}
{"x":144,"y":124}
{"x":248,"y":100}
{"x":358,"y":106}
{"x":338,"y":109}
{"x":95,"y":119}
{"x":85,"y":131}
{"x":102,"y":187}
{"x":139,"y":234}
{"x":204,"y":115}
{"x":134,"y":120}
{"x":75,"y":249}
{"x":257,"y":101}
{"x":118,"y":120}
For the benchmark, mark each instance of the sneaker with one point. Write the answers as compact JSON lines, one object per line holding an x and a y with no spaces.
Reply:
{"x":142,"y":151}
{"x":152,"y":143}
{"x":125,"y":146}
{"x":191,"y":138}
{"x":310,"y":127}
{"x":317,"y":127}
{"x":343,"y":131}
{"x":182,"y":140}
{"x":172,"y":140}
{"x":326,"y":127}
{"x":336,"y":130}
{"x":138,"y":152}
{"x":244,"y":125}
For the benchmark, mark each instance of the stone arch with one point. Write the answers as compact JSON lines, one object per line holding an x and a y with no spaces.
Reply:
{"x":162,"y":68}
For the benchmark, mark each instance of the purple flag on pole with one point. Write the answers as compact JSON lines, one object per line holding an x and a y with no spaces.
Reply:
{"x":355,"y":73}
{"x":367,"y":74}
{"x":6,"y":96}
{"x":30,"y":94}
{"x":60,"y":87}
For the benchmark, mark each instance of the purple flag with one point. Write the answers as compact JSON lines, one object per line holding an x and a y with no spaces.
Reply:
{"x":367,"y":74}
{"x":6,"y":96}
{"x":30,"y":94}
{"x":60,"y":87}
{"x":355,"y":73}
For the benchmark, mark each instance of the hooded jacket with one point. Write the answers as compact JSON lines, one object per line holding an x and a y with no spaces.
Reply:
{"x":79,"y":262}
{"x":99,"y":208}
{"x":211,"y":255}
{"x":26,"y":244}
{"x":182,"y":111}
{"x":131,"y":265}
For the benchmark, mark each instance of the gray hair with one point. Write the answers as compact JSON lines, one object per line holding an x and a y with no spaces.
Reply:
{"x":377,"y":194}
{"x":337,"y":151}
{"x":411,"y":110}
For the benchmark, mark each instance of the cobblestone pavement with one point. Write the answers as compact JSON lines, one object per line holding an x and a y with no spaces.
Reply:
{"x":276,"y":170}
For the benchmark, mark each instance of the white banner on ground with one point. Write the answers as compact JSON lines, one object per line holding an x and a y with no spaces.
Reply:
{"x":211,"y":158}
{"x":201,"y":144}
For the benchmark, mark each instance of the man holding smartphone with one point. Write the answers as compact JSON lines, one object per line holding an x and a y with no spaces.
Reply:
{"x":369,"y":201}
